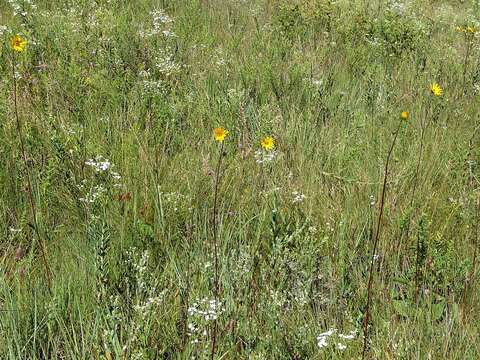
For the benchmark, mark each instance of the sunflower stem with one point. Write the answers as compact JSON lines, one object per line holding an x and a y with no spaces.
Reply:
{"x":215,"y":247}
{"x":375,"y":243}
{"x":29,"y":181}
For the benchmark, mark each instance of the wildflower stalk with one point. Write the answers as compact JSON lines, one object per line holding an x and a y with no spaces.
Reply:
{"x":473,"y":271}
{"x":473,"y":182}
{"x":465,"y":65}
{"x":375,"y":242}
{"x":29,"y":182}
{"x":215,"y":247}
{"x":419,"y":159}
{"x":424,"y":126}
{"x":469,"y":32}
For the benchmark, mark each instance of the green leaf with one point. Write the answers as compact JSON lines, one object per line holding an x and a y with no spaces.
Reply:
{"x":404,"y":308}
{"x":437,"y":310}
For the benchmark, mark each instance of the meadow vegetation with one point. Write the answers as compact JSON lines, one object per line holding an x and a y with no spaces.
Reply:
{"x":333,"y":213}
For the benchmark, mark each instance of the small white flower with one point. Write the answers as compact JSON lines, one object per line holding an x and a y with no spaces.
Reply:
{"x":322,"y":342}
{"x":317,"y":83}
{"x":99,"y":163}
{"x":322,"y":338}
{"x":328,"y":333}
{"x":262,"y":156}
{"x":347,"y":337}
{"x":298,"y":197}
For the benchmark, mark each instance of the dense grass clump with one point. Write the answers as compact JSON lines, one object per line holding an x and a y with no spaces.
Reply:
{"x":239,"y":179}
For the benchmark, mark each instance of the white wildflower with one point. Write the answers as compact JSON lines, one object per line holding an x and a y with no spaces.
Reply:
{"x":323,"y":337}
{"x":262,"y":156}
{"x":350,"y":336}
{"x":99,"y":163}
{"x":298,"y":197}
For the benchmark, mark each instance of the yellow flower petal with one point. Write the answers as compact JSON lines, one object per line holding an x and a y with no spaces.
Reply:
{"x":268,"y":143}
{"x":219,"y":134}
{"x":18,"y":43}
{"x":436,"y":89}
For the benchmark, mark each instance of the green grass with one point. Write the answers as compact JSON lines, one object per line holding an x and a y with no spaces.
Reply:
{"x":328,"y":81}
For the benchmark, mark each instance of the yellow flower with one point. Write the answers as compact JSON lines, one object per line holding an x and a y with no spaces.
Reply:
{"x":404,"y":115}
{"x":18,"y":43}
{"x":220,"y":133}
{"x":469,"y":30}
{"x":436,"y":89}
{"x":268,"y":143}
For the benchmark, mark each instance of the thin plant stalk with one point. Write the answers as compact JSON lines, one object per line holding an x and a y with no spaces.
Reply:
{"x":473,"y":182}
{"x":420,"y":156}
{"x":215,"y":247}
{"x":376,"y":241}
{"x":473,"y":271}
{"x":466,"y":61}
{"x":423,"y":131}
{"x":412,"y":198}
{"x":29,"y":182}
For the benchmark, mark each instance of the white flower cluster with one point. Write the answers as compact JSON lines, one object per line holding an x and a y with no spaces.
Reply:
{"x":100,"y":164}
{"x":145,"y":308}
{"x":3,"y":29}
{"x":219,"y":58}
{"x":166,"y":64}
{"x":152,"y":86}
{"x":298,"y":197}
{"x":174,"y":199}
{"x":262,"y":157}
{"x":160,"y":25}
{"x":103,"y":165}
{"x":397,"y":7}
{"x":323,"y":337}
{"x":20,"y":7}
{"x":145,"y":299}
{"x":93,"y":194}
{"x":209,"y":309}
{"x":92,"y":187}
{"x":316,"y":83}
{"x":201,"y":312}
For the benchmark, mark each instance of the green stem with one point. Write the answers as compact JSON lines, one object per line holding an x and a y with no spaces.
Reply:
{"x":29,"y":182}
{"x":215,"y":248}
{"x":375,"y":243}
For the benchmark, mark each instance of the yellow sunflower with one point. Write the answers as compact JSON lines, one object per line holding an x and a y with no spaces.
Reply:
{"x":268,"y":143}
{"x":436,"y":89}
{"x":18,"y":43}
{"x":219,"y":134}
